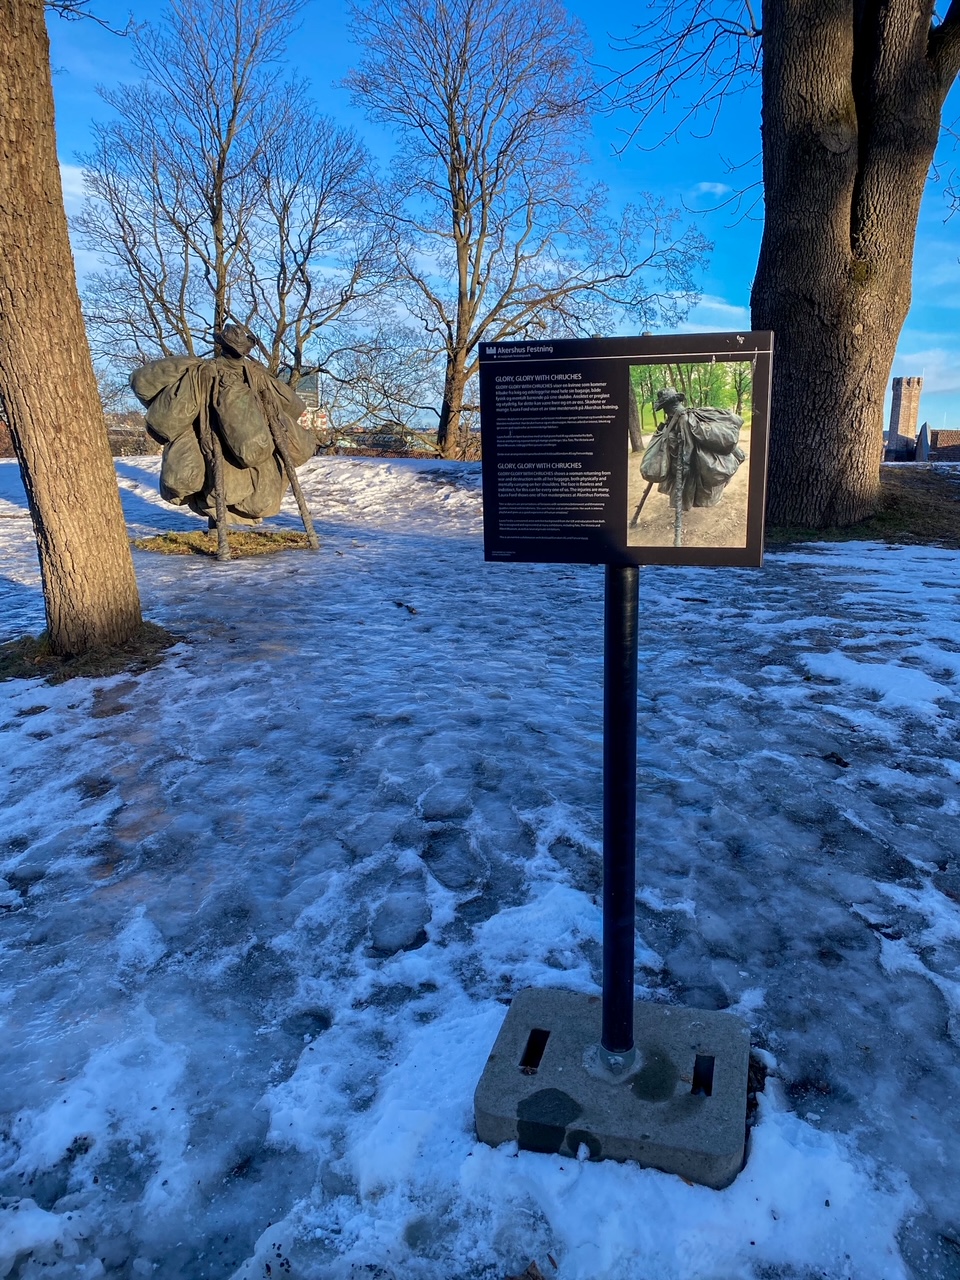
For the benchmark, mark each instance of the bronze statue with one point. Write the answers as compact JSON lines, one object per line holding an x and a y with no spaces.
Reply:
{"x":692,"y":457}
{"x":230,"y":435}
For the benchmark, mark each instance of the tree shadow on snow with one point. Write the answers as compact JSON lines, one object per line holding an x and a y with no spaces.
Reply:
{"x":21,"y":608}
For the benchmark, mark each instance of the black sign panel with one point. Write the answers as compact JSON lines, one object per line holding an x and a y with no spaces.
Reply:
{"x":646,"y":450}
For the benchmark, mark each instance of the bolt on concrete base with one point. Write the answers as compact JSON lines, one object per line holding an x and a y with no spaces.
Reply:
{"x":680,"y":1106}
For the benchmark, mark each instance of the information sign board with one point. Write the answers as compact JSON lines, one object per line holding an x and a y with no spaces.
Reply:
{"x":636,"y":450}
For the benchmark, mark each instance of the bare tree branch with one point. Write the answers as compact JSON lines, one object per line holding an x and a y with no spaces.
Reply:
{"x":74,"y":9}
{"x":217,"y":191}
{"x":385,"y":377}
{"x":696,"y":54}
{"x":495,"y":226}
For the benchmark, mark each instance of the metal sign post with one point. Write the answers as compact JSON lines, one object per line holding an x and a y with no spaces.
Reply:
{"x":572,"y":1072}
{"x":619,"y":814}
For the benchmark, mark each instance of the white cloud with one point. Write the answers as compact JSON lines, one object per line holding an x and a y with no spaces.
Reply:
{"x":939,"y":368}
{"x":710,"y":189}
{"x":71,"y":179}
{"x":715,"y":315}
{"x":937,"y":267}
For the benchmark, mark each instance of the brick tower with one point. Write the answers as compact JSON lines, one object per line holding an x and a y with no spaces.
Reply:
{"x":904,"y":413}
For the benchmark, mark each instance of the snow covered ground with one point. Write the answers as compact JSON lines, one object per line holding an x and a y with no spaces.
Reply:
{"x":261,"y":907}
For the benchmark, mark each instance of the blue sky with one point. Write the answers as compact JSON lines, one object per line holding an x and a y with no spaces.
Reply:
{"x":690,"y":171}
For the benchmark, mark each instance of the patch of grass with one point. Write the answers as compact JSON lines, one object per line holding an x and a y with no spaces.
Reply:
{"x":204,"y":543}
{"x":30,"y":657}
{"x":917,"y":505}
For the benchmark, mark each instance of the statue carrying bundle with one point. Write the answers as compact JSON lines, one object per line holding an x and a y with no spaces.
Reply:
{"x":230,"y":435}
{"x":692,"y":457}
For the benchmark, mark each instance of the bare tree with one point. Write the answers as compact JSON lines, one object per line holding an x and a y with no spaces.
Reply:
{"x":382,"y":378}
{"x":852,"y":96}
{"x":314,"y":257}
{"x":114,"y":392}
{"x":218,"y":192}
{"x":496,"y":229}
{"x":48,"y":391}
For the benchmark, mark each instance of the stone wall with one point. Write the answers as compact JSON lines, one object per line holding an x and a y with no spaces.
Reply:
{"x":127,"y":433}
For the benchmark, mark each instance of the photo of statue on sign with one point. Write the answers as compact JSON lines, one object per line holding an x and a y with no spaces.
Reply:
{"x":688,"y":457}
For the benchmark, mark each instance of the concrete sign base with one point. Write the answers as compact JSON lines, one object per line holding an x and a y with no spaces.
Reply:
{"x":680,"y":1107}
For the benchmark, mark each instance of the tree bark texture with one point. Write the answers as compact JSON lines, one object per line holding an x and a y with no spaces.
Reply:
{"x":450,"y":430}
{"x":47,"y":381}
{"x":852,"y":97}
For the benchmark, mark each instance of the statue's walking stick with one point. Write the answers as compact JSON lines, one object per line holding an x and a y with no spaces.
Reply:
{"x":678,"y":486}
{"x":281,"y":449}
{"x":291,"y":471}
{"x":646,"y":495}
{"x":283,"y":454}
{"x":213,"y":455}
{"x":220,"y":498}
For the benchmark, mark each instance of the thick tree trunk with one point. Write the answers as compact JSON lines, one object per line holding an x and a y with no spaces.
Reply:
{"x":450,"y":431}
{"x":850,"y":122}
{"x":47,"y":382}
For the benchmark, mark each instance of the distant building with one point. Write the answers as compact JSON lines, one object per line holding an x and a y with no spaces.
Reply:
{"x":905,"y":409}
{"x":316,"y":416}
{"x":937,"y":446}
{"x":306,"y":389}
{"x":945,"y":446}
{"x":904,"y":415}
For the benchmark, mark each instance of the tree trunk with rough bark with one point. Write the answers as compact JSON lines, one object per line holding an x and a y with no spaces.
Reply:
{"x":47,"y":383}
{"x":852,"y":98}
{"x":450,"y":431}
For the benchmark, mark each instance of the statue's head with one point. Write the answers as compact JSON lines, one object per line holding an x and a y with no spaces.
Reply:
{"x":669,"y":399}
{"x":236,"y":340}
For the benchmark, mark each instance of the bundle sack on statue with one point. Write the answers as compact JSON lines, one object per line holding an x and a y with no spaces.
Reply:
{"x":238,"y":415}
{"x":286,"y":407}
{"x":716,"y":453}
{"x":237,"y":484}
{"x":279,"y":407}
{"x":183,"y":470}
{"x":252,"y":414}
{"x":717,"y":430}
{"x":711,"y":455}
{"x":655,"y":463}
{"x":300,"y":442}
{"x":175,"y":409}
{"x":150,"y":379}
{"x":268,"y":484}
{"x":170,"y":390}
